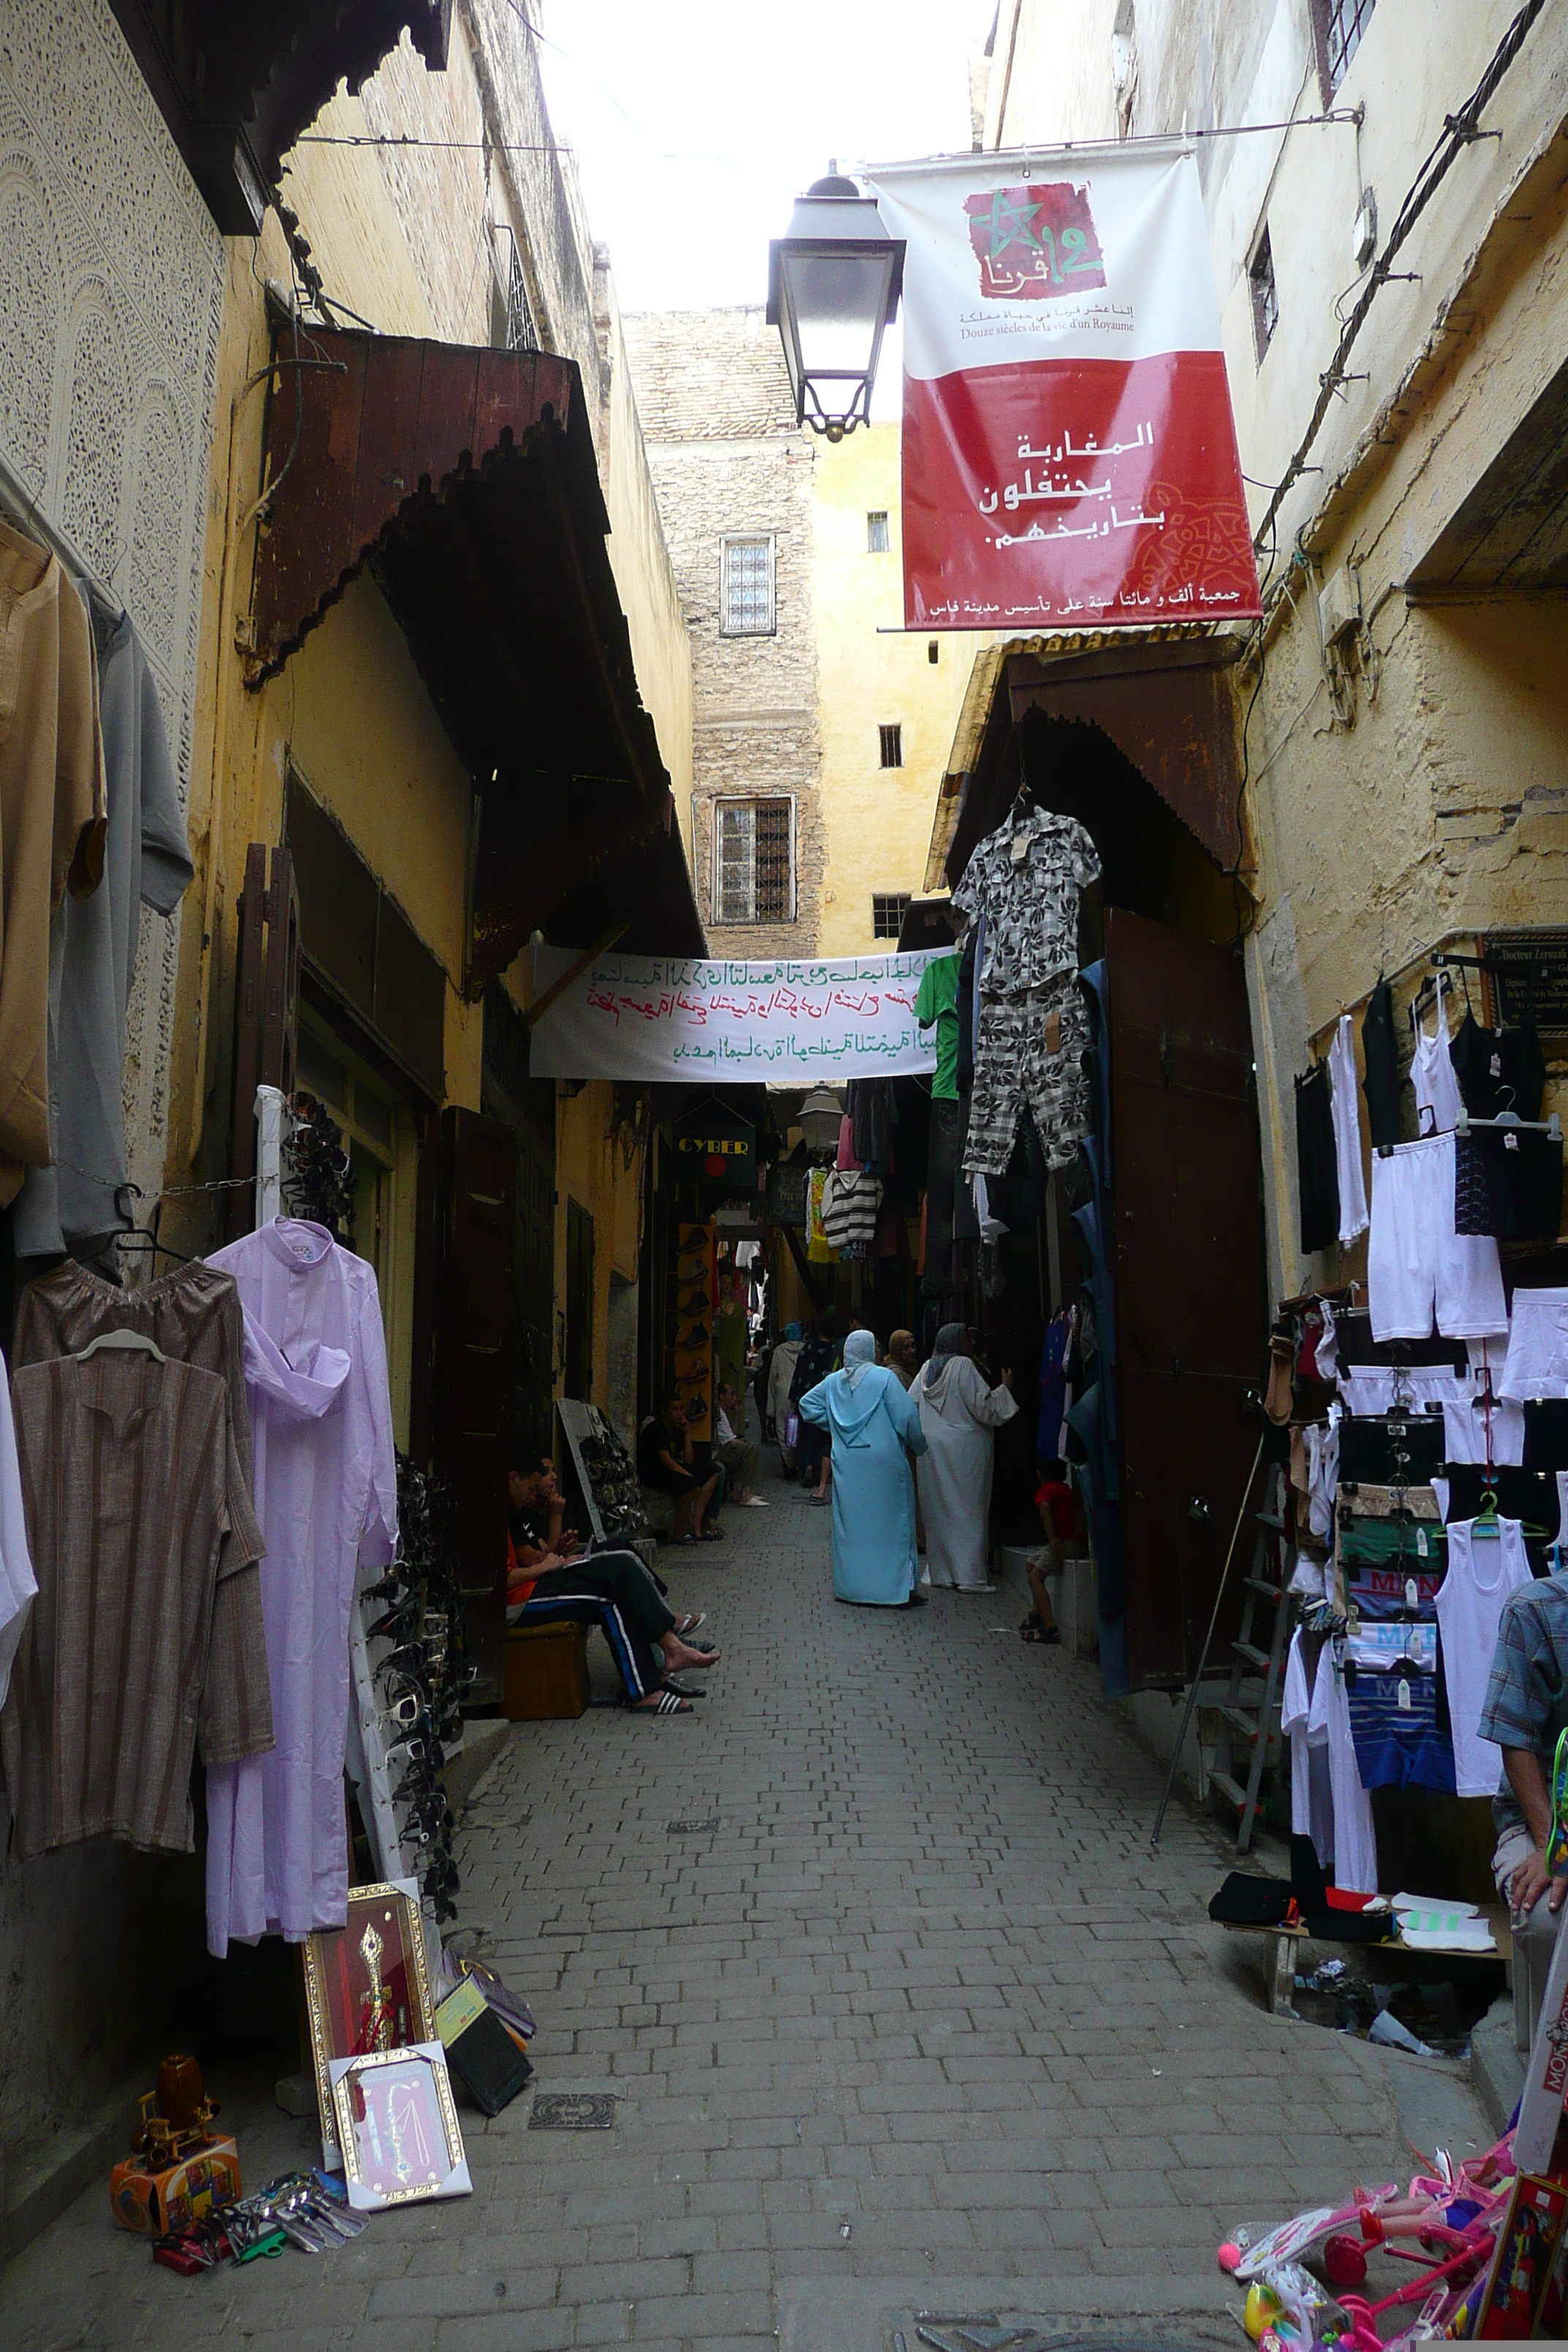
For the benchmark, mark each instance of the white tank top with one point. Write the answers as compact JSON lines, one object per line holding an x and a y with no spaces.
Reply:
{"x":1438,"y":1099}
{"x":1482,"y":1571}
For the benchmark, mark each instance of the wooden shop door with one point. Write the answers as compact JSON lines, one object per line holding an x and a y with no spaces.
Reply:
{"x":1192,"y":1320}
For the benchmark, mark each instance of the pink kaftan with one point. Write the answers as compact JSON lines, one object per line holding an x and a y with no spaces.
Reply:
{"x":326,"y":1495}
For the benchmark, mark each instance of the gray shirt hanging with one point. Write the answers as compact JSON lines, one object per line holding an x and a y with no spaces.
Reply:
{"x":92,"y":960}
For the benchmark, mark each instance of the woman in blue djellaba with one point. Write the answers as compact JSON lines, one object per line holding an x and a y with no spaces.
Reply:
{"x":874,"y":1426}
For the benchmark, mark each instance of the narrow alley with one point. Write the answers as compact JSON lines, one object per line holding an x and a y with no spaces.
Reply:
{"x":897,"y":2008}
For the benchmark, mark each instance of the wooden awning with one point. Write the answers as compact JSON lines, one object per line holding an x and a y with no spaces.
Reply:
{"x":465,"y":480}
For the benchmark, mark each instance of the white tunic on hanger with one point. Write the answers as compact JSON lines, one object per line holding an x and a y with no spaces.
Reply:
{"x":1344,"y":1110}
{"x":1482,"y":1571}
{"x":326,"y":1496}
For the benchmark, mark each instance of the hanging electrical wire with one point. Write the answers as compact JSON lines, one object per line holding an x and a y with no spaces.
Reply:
{"x":1460,"y":129}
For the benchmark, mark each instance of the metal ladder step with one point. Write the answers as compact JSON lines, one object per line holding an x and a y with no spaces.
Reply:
{"x":1239,"y":1719}
{"x":1261,"y":1584}
{"x":1232,"y":1790}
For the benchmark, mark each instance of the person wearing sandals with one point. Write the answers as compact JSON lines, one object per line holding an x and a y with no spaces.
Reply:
{"x":1053,"y":1500}
{"x":664,"y":1462}
{"x":871,"y":1419}
{"x":612,"y":1589}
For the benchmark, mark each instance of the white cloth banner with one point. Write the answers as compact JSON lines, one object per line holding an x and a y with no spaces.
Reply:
{"x":654,"y":1018}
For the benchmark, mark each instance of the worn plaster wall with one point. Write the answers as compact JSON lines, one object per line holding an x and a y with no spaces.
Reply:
{"x":875,"y":820}
{"x":591,"y":1166}
{"x":726,"y":457}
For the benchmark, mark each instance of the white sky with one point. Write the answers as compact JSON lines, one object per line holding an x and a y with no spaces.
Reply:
{"x":698,"y":123}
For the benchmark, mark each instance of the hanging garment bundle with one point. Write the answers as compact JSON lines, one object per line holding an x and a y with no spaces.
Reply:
{"x":1023,"y":883}
{"x":53,"y":822}
{"x":1508,"y":1177}
{"x":851,"y":1200}
{"x":1317,"y":1174}
{"x":193,"y":1317}
{"x":1438,"y":1101}
{"x":125,"y":1456}
{"x":1345,"y":1101}
{"x":1500,"y":1069}
{"x":1487,"y":1561}
{"x":1418,"y":1268}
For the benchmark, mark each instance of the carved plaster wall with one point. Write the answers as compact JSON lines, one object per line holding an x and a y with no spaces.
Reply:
{"x":110,"y":289}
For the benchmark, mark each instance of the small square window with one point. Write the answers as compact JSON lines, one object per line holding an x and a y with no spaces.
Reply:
{"x":892,"y":739}
{"x":746,"y":587}
{"x":1265,"y":295}
{"x":877,"y":541}
{"x":889,"y":909}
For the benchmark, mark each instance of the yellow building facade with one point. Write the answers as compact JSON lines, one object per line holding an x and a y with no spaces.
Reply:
{"x":888,"y":699}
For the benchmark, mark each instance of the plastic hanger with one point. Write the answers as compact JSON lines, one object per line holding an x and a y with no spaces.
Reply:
{"x":135,"y":1343}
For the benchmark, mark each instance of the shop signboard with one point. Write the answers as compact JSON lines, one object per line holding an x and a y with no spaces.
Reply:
{"x":1070,"y":456}
{"x":719,"y":1148}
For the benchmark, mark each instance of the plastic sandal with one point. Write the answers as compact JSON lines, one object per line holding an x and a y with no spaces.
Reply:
{"x":666,"y":1703}
{"x":712,"y":1535}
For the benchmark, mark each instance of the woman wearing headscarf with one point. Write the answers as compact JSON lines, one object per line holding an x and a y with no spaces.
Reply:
{"x":870,"y":1419}
{"x":903,"y":1357}
{"x":959,"y":1414}
{"x":781,"y":1372}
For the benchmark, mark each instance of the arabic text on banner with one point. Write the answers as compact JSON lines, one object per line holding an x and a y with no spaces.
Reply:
{"x":653,"y":1018}
{"x":1070,"y":455}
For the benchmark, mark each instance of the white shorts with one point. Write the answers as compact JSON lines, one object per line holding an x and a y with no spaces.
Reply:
{"x":1416,"y":1265}
{"x":1537,"y":1362}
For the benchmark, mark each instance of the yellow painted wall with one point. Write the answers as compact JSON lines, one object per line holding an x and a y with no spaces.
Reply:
{"x":877,"y":821}
{"x":590,"y":1167}
{"x":402,"y":239}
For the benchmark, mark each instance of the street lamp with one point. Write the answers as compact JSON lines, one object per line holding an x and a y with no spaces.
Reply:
{"x":833,"y":286}
{"x":819,"y":1118}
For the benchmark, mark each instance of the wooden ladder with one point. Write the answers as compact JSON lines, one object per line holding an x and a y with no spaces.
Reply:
{"x":1253,"y":1731}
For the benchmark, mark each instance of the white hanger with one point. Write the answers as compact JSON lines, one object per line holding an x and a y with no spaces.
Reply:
{"x":132,"y":1342}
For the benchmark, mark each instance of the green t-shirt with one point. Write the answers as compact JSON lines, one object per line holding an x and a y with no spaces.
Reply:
{"x":938,"y":1002}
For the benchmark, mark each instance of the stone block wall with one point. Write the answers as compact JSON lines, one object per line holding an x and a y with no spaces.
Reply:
{"x":727,"y":457}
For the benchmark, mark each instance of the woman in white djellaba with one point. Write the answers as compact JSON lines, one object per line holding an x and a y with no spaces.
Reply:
{"x":960,"y":1414}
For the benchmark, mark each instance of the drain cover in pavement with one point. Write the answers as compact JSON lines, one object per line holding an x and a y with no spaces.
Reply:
{"x":691,"y":1829}
{"x":572,"y":2111}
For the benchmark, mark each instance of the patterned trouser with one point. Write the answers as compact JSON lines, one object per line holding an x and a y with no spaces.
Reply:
{"x":1030,"y":1049}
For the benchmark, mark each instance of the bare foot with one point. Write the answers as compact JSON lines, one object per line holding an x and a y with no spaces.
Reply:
{"x":680,"y":1654}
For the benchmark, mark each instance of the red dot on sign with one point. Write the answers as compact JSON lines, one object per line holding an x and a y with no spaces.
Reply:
{"x":714,"y":1164}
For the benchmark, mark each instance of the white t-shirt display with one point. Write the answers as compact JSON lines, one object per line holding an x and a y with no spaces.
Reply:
{"x":1355,"y":1840}
{"x":1312,"y":1796}
{"x":1482,"y":1571}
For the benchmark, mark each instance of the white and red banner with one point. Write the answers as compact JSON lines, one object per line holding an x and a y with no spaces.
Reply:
{"x":817,"y":1020}
{"x":1068,"y":452}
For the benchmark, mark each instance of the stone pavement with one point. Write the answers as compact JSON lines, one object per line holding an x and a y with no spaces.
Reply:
{"x":895,"y":2002}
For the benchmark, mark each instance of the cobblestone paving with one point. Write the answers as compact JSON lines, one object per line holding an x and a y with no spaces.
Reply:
{"x":888,"y":1984}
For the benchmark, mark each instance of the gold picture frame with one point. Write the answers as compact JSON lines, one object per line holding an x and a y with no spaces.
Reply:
{"x":367,"y":1987}
{"x":397,"y":2126}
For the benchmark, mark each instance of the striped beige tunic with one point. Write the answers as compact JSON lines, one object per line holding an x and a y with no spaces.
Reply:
{"x":195,"y":1314}
{"x":125,"y":1465}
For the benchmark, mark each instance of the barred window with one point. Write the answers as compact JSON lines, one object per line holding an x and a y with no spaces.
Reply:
{"x":892,"y":739}
{"x":513,"y":324}
{"x":1265,"y":294}
{"x":1340,"y":24}
{"x":746,"y":587}
{"x":754,"y":861}
{"x":889,"y":909}
{"x":876,"y":533}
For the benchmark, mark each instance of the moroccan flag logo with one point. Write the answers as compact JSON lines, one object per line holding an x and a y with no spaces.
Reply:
{"x":1035,"y":244}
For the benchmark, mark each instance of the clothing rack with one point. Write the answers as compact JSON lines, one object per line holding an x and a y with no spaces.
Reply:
{"x":20,"y":507}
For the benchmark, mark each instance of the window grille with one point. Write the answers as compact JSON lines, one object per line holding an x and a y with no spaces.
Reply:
{"x":746,"y":587}
{"x":892,"y":739}
{"x":513,"y":324}
{"x":1265,"y":294}
{"x":1340,"y":24}
{"x":889,"y":909}
{"x":877,"y":541}
{"x":754,"y":862}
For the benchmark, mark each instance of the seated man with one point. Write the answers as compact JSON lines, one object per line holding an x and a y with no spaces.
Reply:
{"x":1525,"y":1710}
{"x":737,"y":1457}
{"x":612,"y":1589}
{"x":664,"y":1462}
